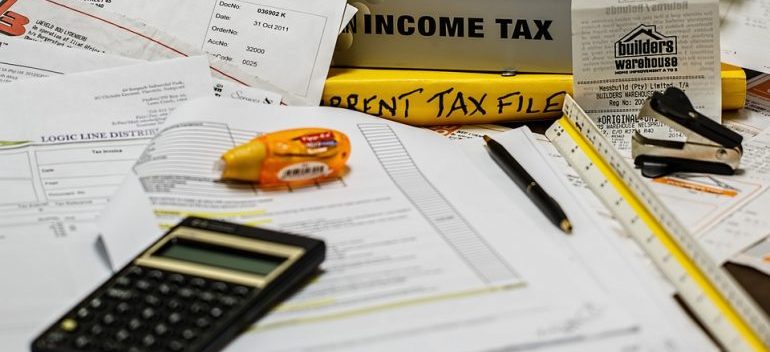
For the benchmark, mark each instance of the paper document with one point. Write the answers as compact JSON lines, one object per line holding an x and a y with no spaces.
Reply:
{"x":614,"y":261}
{"x":86,"y":130}
{"x":745,"y":24}
{"x":748,"y":225}
{"x":24,"y":59}
{"x":757,"y":256}
{"x":624,"y":51}
{"x":410,"y":240}
{"x":287,"y":43}
{"x":41,"y":280}
{"x":755,"y":117}
{"x":350,"y":10}
{"x":78,"y":25}
{"x":141,"y":95}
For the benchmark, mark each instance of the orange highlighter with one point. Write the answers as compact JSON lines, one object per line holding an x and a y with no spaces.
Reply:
{"x":294,"y":157}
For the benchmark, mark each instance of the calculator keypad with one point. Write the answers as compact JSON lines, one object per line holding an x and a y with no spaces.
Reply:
{"x":148,"y":310}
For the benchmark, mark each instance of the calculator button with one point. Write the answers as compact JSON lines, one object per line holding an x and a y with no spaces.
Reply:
{"x":68,"y":325}
{"x":241,"y":290}
{"x":220,"y":286}
{"x":173,"y":304}
{"x":120,"y":294}
{"x":160,"y":329}
{"x":186,"y":292}
{"x":202,"y":323}
{"x":122,"y":308}
{"x":96,"y":303}
{"x":206,"y":296}
{"x":152,"y":300}
{"x":175,"y":346}
{"x":135,"y":324}
{"x":148,"y":340}
{"x":198,"y":282}
{"x":123,"y":281}
{"x":108,"y":319}
{"x":55,"y":338}
{"x":83,"y":313}
{"x":156,"y":275}
{"x":228,"y":301}
{"x":174,"y":318}
{"x":82,"y":342}
{"x":177,"y":279}
{"x":143,"y":285}
{"x":189,"y":334}
{"x":165,"y":289}
{"x":135,"y":271}
{"x":198,"y":308}
{"x":216,"y":312}
{"x":96,"y":330}
{"x":110,"y":346}
{"x":148,"y":313}
{"x":122,"y":335}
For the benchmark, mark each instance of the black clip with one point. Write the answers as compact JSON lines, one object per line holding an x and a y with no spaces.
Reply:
{"x":709,"y":148}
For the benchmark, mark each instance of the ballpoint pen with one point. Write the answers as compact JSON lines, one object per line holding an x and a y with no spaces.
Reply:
{"x":531,"y":188}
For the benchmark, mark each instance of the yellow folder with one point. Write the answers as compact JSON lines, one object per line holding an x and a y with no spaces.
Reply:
{"x":429,"y":98}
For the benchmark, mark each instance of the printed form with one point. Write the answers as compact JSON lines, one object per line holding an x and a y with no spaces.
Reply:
{"x":56,"y":184}
{"x":597,"y":244}
{"x":24,"y":59}
{"x":77,"y":25}
{"x":287,"y":43}
{"x":745,"y":24}
{"x":409,"y":241}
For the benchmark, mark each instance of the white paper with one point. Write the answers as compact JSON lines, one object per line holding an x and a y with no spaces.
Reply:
{"x":596,"y":245}
{"x":41,"y":281}
{"x":745,"y":29}
{"x":24,"y":59}
{"x":287,"y":43}
{"x":755,"y":116}
{"x":77,"y":25}
{"x":142,"y":95}
{"x":54,"y":192}
{"x":350,"y":12}
{"x":747,"y":224}
{"x":410,"y":240}
{"x":81,"y":144}
{"x":623,"y":51}
{"x":757,"y":256}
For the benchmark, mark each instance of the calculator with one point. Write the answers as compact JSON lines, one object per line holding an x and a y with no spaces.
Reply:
{"x":195,"y":289}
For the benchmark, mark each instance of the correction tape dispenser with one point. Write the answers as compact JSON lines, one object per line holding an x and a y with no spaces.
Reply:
{"x":293,"y":157}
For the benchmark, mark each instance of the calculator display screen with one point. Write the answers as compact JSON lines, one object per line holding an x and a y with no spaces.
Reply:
{"x":219,"y":256}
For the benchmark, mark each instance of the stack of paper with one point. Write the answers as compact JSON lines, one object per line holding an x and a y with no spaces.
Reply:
{"x":114,"y":115}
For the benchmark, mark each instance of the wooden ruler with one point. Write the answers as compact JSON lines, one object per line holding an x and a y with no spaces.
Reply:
{"x":722,"y":306}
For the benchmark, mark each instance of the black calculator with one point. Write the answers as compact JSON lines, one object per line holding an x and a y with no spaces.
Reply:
{"x":195,"y":289}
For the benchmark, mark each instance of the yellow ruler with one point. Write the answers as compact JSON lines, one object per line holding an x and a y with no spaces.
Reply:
{"x":711,"y":293}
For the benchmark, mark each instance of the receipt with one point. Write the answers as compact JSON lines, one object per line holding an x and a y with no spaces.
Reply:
{"x":623,"y":51}
{"x":76,"y":25}
{"x":287,"y":43}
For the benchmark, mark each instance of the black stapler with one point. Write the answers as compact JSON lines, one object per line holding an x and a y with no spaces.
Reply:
{"x":709,"y":147}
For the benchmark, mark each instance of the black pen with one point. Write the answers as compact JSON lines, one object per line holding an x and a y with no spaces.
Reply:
{"x":521,"y":177}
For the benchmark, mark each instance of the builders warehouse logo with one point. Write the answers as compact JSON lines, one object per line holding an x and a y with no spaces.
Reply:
{"x":643,"y":50}
{"x":11,"y":23}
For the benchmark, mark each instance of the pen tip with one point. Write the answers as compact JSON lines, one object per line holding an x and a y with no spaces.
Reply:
{"x":566,"y":226}
{"x":487,"y":138}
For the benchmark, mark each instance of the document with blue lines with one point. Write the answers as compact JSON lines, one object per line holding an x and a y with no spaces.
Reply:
{"x":416,"y":238}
